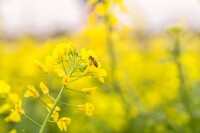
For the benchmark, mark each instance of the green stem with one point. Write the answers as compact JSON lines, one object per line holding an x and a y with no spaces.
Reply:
{"x":183,"y":94}
{"x":110,"y":45}
{"x":32,"y":120}
{"x":182,"y":87}
{"x":52,"y":110}
{"x":113,"y":58}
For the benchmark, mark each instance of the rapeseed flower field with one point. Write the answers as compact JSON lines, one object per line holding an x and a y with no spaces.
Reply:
{"x":104,"y":79}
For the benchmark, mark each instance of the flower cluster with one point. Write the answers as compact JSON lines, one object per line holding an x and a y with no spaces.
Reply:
{"x":9,"y":99}
{"x":70,"y":66}
{"x":78,"y":64}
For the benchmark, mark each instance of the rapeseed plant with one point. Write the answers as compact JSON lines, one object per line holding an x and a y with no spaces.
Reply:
{"x":73,"y":65}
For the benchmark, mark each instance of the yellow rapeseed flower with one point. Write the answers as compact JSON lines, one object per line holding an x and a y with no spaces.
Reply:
{"x":97,"y":72}
{"x":89,"y":91}
{"x":19,"y":108}
{"x":41,"y":66}
{"x":87,"y":108}
{"x":44,"y":88}
{"x":59,"y":54}
{"x":55,"y":114}
{"x":92,"y":70}
{"x":31,"y":92}
{"x":63,"y":123}
{"x":13,"y":131}
{"x":15,"y":115}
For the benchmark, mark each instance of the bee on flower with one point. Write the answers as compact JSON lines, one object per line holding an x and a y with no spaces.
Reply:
{"x":93,"y":67}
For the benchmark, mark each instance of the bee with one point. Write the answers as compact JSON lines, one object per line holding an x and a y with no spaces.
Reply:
{"x":93,"y":61}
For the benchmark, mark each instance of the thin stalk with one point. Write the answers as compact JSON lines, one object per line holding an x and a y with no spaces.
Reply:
{"x":52,"y":110}
{"x":113,"y":59}
{"x":183,"y":94}
{"x":182,"y":87}
{"x":52,"y":121}
{"x":73,"y":89}
{"x":64,"y":102}
{"x":68,"y":104}
{"x":32,"y":120}
{"x":110,"y":45}
{"x":44,"y":103}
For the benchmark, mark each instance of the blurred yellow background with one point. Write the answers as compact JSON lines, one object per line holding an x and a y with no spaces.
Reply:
{"x":152,"y":83}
